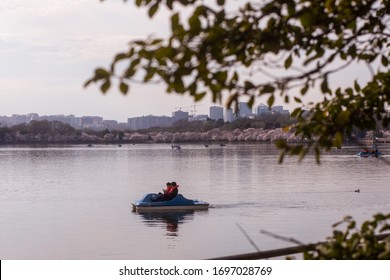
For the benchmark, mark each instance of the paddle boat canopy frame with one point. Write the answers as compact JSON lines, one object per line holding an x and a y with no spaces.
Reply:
{"x":179,"y":202}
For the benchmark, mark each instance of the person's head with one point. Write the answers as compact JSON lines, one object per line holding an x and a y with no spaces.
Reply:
{"x":174,"y":184}
{"x":169,"y":184}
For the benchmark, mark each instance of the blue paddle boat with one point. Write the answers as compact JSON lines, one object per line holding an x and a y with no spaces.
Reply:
{"x":366,"y":153}
{"x":179,"y":202}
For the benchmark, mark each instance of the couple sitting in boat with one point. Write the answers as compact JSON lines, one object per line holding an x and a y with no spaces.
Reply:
{"x":372,"y":152}
{"x":170,"y":192}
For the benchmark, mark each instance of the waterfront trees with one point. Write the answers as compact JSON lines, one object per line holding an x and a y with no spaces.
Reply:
{"x":270,"y":48}
{"x":4,"y":131}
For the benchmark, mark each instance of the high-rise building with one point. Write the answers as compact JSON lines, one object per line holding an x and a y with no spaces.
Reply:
{"x":179,"y":115}
{"x":279,"y":109}
{"x":243,"y":110}
{"x":146,"y":122}
{"x":216,"y":113}
{"x":228,"y":115}
{"x":263,"y":110}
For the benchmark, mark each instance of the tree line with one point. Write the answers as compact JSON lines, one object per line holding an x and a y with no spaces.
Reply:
{"x":42,"y":131}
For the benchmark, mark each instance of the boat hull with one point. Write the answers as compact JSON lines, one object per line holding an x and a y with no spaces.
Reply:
{"x":369,"y":154}
{"x":178,"y":203}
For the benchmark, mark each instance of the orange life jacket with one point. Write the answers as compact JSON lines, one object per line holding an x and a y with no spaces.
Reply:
{"x":171,"y":190}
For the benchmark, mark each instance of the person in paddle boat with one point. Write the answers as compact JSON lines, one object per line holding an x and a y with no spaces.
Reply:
{"x":160,"y":195}
{"x":169,"y":192}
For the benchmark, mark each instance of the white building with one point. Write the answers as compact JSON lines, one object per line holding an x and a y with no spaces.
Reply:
{"x":198,"y":118}
{"x":146,"y":122}
{"x":228,"y":115}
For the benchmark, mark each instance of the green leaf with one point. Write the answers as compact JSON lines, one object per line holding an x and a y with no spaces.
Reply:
{"x":120,"y":56}
{"x":385,"y":61}
{"x":232,"y":98}
{"x":194,"y":23}
{"x":178,"y":85}
{"x":221,"y":76}
{"x":156,"y":41}
{"x":338,"y":139}
{"x":324,"y":85}
{"x":248,"y":85}
{"x":235,"y":77}
{"x":153,"y":10}
{"x":199,"y":96}
{"x":170,"y":4}
{"x":135,"y":63}
{"x":304,"y":89}
{"x":101,"y":73}
{"x":296,"y":112}
{"x":357,"y":87}
{"x":175,"y":22}
{"x":298,"y":100}
{"x":221,"y":2}
{"x":271,"y":101}
{"x":251,"y":101}
{"x":124,"y":88}
{"x":105,"y":86}
{"x":149,"y":74}
{"x":306,"y":19}
{"x":288,"y":62}
{"x":267,"y":89}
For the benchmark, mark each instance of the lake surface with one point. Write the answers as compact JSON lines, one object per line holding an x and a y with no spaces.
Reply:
{"x":74,"y":202}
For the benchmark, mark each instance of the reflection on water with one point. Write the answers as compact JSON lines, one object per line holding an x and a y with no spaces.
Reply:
{"x":168,"y":226}
{"x":169,"y":220}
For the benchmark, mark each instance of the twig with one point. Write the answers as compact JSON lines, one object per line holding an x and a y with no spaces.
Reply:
{"x":248,"y":237}
{"x":276,"y":236}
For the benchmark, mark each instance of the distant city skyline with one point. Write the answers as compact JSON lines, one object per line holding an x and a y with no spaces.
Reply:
{"x":98,"y":122}
{"x":200,"y":109}
{"x":189,"y":109}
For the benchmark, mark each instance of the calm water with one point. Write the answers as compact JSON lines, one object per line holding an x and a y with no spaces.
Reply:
{"x":73,"y":202}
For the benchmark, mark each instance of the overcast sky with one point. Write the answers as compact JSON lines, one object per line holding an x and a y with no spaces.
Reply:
{"x":49,"y":48}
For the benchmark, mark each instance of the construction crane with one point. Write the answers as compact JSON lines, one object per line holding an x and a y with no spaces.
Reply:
{"x":191,"y":108}
{"x":194,"y":108}
{"x":180,"y":108}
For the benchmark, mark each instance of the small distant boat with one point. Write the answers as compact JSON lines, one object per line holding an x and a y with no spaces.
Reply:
{"x":177,"y":203}
{"x":119,"y":145}
{"x":89,"y":145}
{"x":222,"y":145}
{"x":206,"y":145}
{"x":176,"y":146}
{"x":366,"y":153}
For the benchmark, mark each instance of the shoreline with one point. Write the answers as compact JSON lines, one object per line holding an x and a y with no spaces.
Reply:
{"x":218,"y":143}
{"x":249,"y":135}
